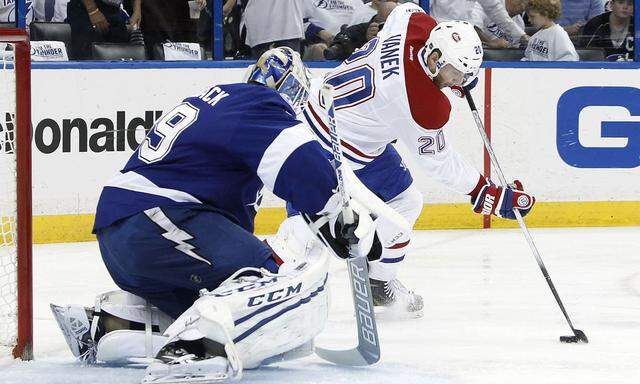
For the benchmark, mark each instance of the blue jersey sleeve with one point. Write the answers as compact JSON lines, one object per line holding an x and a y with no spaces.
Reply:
{"x":307,"y":178}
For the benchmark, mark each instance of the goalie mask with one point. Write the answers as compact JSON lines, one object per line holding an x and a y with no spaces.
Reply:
{"x":282,"y":69}
{"x":458,"y":45}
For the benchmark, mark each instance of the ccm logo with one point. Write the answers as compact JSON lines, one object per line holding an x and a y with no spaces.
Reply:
{"x":274,"y":295}
{"x":599,"y":127}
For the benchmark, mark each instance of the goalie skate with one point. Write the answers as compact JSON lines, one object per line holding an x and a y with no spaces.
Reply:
{"x":75,"y":324}
{"x":176,"y":365}
{"x":396,"y":298}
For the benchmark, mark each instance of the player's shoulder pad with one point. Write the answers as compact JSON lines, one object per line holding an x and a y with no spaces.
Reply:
{"x":429,"y":106}
{"x":397,"y":17}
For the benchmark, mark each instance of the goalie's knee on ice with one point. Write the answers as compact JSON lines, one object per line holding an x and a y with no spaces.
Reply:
{"x":263,"y":316}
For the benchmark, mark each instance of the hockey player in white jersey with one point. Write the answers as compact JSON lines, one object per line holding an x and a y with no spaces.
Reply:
{"x":391,"y":89}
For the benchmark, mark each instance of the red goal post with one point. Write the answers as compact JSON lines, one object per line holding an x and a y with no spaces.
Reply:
{"x":16,"y":296}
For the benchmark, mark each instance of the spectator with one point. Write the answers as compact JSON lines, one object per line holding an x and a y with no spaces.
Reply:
{"x":231,"y":25}
{"x":166,"y":21}
{"x":99,"y":21}
{"x":576,"y":13}
{"x":324,"y":20}
{"x":365,"y":14}
{"x":273,"y":23}
{"x":8,"y":12}
{"x":492,"y":34}
{"x":50,"y":10}
{"x":355,"y":36}
{"x":612,"y":31}
{"x":551,"y":42}
{"x":445,"y":10}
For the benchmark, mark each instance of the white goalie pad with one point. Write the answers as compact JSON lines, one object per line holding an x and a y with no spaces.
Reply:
{"x":265,"y":316}
{"x":127,"y":306}
{"x":129,"y":347}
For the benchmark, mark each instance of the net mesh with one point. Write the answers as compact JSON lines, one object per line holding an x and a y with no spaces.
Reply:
{"x":8,"y":208}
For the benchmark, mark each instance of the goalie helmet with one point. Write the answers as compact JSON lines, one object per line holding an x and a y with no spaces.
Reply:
{"x":282,"y":69}
{"x":459,"y":45}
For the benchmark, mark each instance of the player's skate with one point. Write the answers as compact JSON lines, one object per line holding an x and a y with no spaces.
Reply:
{"x":394,"y":295}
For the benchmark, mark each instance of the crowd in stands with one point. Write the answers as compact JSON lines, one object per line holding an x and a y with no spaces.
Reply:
{"x":539,"y":30}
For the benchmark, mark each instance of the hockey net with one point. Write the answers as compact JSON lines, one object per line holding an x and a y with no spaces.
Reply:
{"x":15,"y":196}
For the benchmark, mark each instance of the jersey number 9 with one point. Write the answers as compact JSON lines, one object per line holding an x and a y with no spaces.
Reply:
{"x":165,"y":131}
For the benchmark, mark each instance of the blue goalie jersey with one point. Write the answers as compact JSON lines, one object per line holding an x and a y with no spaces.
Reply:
{"x":217,"y":150}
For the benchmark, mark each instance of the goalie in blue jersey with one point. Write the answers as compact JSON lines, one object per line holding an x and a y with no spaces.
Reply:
{"x":201,"y":293}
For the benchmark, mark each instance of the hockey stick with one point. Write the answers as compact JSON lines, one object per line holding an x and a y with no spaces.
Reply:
{"x":367,"y":351}
{"x":578,"y":335}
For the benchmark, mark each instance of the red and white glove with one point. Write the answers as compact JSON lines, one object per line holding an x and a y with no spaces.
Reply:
{"x":491,"y":199}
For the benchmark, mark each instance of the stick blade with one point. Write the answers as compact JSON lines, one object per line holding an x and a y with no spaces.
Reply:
{"x":579,"y":337}
{"x":350,"y":357}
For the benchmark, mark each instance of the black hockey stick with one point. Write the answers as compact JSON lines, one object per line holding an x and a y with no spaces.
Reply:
{"x":578,"y":335}
{"x":367,"y":351}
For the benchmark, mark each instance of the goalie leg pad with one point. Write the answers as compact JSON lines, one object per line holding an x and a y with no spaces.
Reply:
{"x":91,"y":337}
{"x":262,"y":316}
{"x":124,"y":347}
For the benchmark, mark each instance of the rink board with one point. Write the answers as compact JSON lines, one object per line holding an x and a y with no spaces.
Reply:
{"x":579,"y":158}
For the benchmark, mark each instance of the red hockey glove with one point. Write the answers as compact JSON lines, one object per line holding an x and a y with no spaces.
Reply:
{"x":499,"y":201}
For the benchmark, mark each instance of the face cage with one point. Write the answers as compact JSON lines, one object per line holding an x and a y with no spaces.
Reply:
{"x":293,"y":91}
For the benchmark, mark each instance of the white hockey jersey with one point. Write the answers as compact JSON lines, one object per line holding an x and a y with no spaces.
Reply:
{"x":382,"y":93}
{"x":551,"y":44}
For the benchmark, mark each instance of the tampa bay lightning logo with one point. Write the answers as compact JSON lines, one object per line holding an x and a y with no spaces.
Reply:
{"x":333,"y":5}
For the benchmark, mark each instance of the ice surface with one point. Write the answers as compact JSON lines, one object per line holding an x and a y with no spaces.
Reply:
{"x":489,"y":316}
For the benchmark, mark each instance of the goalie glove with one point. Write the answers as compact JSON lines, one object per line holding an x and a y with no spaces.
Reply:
{"x":340,"y":236}
{"x":494,"y":200}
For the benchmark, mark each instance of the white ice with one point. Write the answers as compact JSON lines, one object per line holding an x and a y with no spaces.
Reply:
{"x":489,"y":317}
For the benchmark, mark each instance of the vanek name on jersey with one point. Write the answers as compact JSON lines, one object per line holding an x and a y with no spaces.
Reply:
{"x":390,"y":56}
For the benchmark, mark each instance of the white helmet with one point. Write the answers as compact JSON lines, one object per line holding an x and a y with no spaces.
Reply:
{"x":459,"y":45}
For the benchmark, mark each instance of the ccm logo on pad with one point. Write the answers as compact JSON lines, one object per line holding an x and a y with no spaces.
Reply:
{"x":599,"y":127}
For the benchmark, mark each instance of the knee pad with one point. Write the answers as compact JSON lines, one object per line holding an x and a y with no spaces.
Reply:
{"x":409,"y":203}
{"x":262,"y":316}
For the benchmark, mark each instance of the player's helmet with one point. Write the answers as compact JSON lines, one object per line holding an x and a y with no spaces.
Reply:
{"x":283,"y":70}
{"x":459,"y":45}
